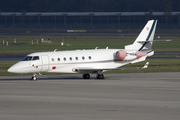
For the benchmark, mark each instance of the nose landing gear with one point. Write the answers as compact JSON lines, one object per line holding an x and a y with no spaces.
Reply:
{"x":34,"y":77}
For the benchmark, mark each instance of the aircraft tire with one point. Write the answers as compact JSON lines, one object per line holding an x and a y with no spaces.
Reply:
{"x":100,"y":76}
{"x":34,"y":77}
{"x":86,"y":76}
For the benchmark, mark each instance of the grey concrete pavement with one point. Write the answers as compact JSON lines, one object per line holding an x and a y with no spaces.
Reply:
{"x":126,"y":96}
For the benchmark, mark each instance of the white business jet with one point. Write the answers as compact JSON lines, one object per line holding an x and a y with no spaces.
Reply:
{"x":88,"y":61}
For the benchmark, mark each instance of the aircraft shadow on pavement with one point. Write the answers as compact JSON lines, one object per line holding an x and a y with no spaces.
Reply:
{"x":16,"y":78}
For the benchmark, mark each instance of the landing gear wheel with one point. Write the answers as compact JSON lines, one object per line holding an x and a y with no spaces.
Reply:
{"x":100,"y":76}
{"x":34,"y":77}
{"x":86,"y":76}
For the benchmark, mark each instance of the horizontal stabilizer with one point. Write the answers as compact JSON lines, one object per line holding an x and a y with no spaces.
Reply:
{"x":162,"y":40}
{"x":153,"y":41}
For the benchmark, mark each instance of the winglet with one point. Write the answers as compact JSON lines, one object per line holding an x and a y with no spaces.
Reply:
{"x":146,"y":65}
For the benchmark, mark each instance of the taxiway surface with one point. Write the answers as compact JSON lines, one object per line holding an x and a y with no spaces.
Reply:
{"x":125,"y":96}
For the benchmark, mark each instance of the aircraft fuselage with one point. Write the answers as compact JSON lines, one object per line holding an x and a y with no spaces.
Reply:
{"x":68,"y":61}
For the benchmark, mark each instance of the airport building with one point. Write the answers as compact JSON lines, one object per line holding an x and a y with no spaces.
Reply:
{"x":85,"y":19}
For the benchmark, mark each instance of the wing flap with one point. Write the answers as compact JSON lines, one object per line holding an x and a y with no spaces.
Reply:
{"x":95,"y":70}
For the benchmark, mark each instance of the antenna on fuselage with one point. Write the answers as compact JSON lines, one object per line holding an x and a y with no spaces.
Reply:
{"x":55,"y":50}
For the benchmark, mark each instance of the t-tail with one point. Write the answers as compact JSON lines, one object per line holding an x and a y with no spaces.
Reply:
{"x":145,"y":39}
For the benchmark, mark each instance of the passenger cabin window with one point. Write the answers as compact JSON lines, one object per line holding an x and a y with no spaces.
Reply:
{"x":58,"y":59}
{"x":90,"y":57}
{"x":76,"y":58}
{"x":70,"y":58}
{"x":83,"y":57}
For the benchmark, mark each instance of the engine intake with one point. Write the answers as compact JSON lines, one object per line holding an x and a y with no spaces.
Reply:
{"x":123,"y":55}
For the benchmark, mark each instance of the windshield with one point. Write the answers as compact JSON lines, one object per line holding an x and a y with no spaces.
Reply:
{"x":36,"y":58}
{"x":30,"y":58}
{"x":27,"y":58}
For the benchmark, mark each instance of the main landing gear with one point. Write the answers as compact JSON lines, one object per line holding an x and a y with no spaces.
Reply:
{"x":86,"y":76}
{"x":98,"y":76}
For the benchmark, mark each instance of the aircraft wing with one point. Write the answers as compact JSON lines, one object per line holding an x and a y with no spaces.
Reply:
{"x":95,"y":70}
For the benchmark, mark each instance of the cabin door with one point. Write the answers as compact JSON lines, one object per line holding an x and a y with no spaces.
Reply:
{"x":45,"y":63}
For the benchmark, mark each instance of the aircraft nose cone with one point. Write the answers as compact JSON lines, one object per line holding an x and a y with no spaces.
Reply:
{"x":12,"y":70}
{"x":23,"y":67}
{"x":15,"y":68}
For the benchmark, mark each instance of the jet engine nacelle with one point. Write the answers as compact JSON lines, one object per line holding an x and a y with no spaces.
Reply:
{"x":123,"y":55}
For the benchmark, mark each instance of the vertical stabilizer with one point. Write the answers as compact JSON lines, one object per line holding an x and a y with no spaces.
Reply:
{"x":145,"y":39}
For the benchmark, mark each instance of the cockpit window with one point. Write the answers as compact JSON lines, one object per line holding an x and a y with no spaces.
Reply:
{"x":36,"y":58}
{"x":27,"y":58}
